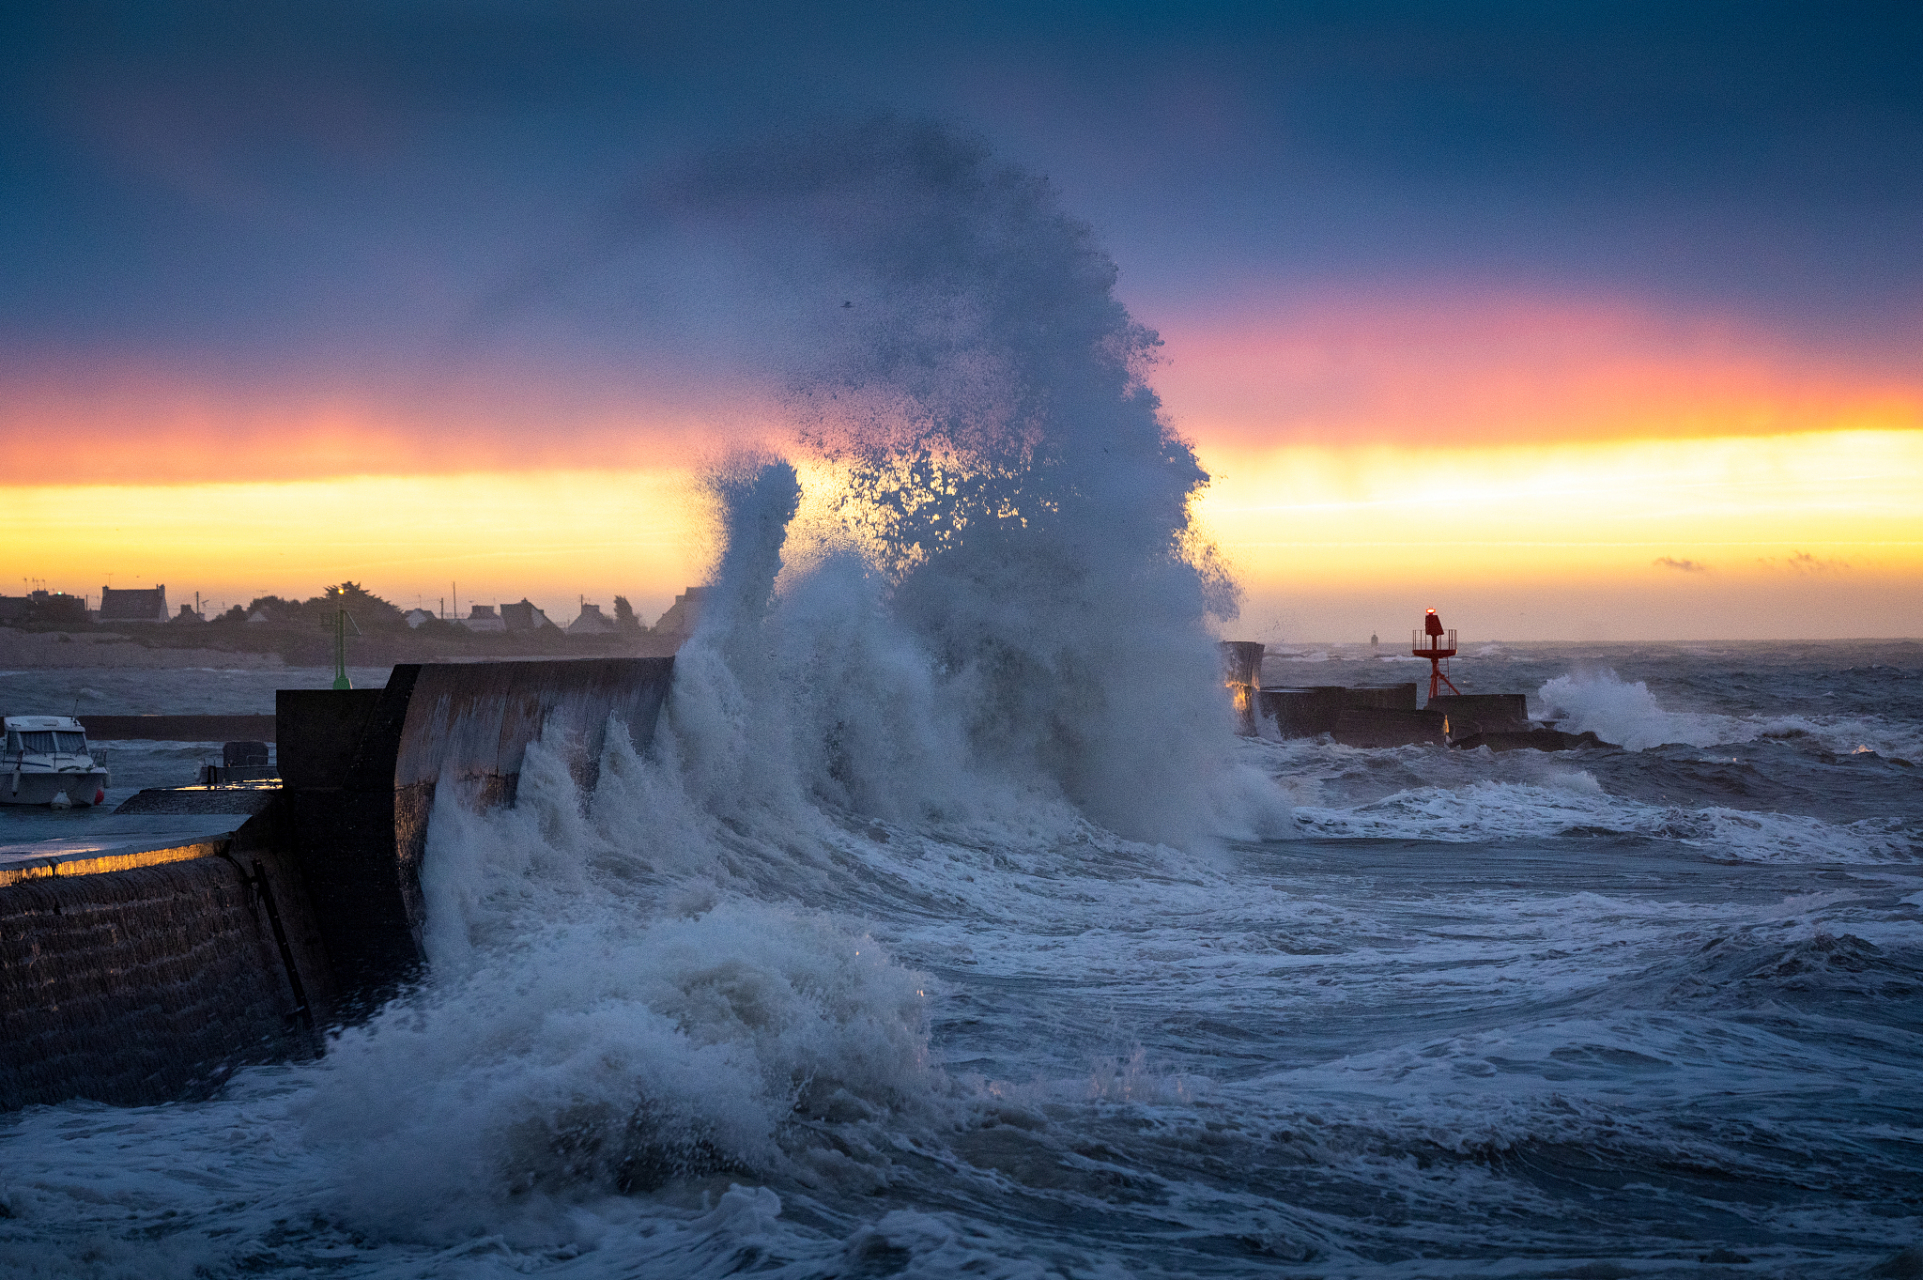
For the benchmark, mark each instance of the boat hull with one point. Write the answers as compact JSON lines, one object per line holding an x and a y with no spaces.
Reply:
{"x":81,"y":787}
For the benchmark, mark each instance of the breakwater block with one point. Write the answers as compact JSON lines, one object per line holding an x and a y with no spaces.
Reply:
{"x":1242,"y":662}
{"x":361,"y":770}
{"x":1242,"y":672}
{"x":1471,"y":713}
{"x":1385,"y":727}
{"x":1307,"y":712}
{"x":178,"y":728}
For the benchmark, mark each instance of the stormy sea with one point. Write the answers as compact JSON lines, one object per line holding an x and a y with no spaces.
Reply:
{"x":944,"y":926}
{"x":1592,"y":1013}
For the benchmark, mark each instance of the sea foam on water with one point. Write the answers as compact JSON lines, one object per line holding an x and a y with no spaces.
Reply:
{"x":903,"y":949}
{"x":1004,"y":613}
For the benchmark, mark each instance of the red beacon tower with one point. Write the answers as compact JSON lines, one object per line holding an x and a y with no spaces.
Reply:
{"x":1428,"y":643}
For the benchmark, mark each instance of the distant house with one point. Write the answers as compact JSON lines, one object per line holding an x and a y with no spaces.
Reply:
{"x":260,"y":615}
{"x":523,"y":616}
{"x":43,"y":607}
{"x":415,"y":617}
{"x":133,"y":605}
{"x":592,"y":622}
{"x":681,"y":616}
{"x":483,"y":618}
{"x":187,"y":614}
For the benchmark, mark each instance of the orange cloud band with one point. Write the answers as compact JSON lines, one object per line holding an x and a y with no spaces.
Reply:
{"x":1415,"y":372}
{"x":1482,"y":370}
{"x":117,"y":425}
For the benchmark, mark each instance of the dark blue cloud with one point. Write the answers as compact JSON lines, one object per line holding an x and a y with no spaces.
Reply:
{"x":347,"y":183}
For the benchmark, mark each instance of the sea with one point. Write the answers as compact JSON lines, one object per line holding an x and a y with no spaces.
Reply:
{"x":1645,"y":1011}
{"x":943,"y":927}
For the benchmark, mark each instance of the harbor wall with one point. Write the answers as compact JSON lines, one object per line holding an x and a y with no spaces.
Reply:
{"x":1316,"y":709}
{"x":141,"y":985}
{"x":1471,"y":713}
{"x":149,"y":974}
{"x":361,"y":770}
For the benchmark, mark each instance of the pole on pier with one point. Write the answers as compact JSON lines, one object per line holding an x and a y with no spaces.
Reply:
{"x":341,"y":623}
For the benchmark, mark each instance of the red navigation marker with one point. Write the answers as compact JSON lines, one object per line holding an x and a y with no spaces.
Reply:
{"x":1428,"y":643}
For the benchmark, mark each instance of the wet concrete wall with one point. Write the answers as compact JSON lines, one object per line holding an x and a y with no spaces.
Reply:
{"x":362,"y":769}
{"x":140,"y":983}
{"x":1306,"y":712}
{"x":1242,"y":671}
{"x":1385,"y":727}
{"x":1483,"y":712}
{"x":138,"y":986}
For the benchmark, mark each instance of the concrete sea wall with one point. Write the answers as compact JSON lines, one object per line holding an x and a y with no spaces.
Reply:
{"x":140,"y":985}
{"x":150,"y":973}
{"x":1317,"y":709}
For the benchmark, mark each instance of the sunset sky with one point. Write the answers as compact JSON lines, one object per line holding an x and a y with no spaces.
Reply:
{"x":1579,"y":321}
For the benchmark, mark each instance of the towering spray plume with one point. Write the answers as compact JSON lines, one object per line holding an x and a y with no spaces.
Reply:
{"x":963,"y":377}
{"x":1000,"y":618}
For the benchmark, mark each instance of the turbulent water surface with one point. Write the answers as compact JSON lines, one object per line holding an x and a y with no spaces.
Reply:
{"x":1516,"y":1014}
{"x":944,"y":928}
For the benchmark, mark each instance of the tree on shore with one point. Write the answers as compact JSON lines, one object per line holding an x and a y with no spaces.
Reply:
{"x":368,"y":610}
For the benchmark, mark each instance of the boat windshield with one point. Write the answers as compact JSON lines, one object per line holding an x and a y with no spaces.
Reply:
{"x":45,"y":742}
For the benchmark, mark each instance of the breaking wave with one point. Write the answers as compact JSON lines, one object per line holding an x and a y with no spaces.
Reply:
{"x":1627,"y":713}
{"x":969,"y":610}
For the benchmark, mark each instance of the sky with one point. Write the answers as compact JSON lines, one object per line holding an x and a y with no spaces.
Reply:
{"x":1574,"y":321}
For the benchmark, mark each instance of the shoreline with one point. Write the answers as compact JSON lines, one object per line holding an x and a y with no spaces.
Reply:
{"x":121,"y":650}
{"x":54,"y":650}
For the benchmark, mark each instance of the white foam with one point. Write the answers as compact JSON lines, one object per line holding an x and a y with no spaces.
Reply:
{"x":1491,"y":810}
{"x":1628,"y":715}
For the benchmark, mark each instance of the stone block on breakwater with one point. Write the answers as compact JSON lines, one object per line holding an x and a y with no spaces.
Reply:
{"x":1307,"y":712}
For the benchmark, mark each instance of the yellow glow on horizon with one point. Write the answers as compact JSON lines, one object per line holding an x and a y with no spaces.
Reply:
{"x":1791,"y":535}
{"x":549,"y":535}
{"x":1649,"y":510}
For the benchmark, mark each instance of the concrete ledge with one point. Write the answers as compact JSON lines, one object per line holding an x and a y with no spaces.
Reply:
{"x":20,"y":863}
{"x":243,"y":801}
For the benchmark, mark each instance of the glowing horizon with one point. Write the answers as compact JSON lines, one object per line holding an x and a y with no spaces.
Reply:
{"x":1699,"y":479}
{"x":1822,"y":526}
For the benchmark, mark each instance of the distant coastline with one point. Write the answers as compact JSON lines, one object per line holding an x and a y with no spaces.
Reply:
{"x":164,"y":648}
{"x":133,"y":630}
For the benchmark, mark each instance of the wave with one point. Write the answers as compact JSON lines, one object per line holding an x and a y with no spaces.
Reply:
{"x":1575,"y":804}
{"x":1627,"y":714}
{"x":989,"y":638}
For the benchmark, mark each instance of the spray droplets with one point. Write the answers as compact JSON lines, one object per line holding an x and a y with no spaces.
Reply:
{"x":1006,"y":506}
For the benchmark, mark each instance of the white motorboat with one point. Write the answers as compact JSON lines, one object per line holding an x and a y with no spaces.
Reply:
{"x":44,"y":760}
